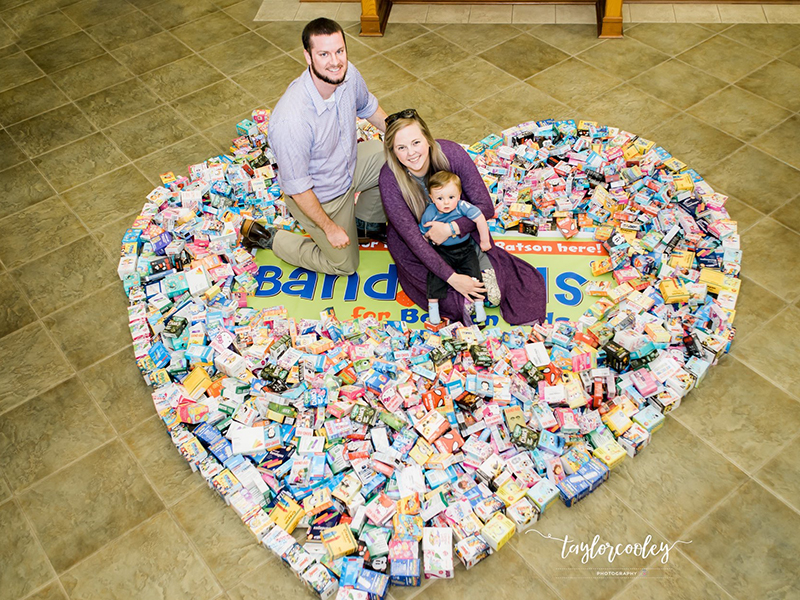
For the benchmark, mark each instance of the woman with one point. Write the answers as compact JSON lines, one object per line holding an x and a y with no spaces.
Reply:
{"x":412,"y":156}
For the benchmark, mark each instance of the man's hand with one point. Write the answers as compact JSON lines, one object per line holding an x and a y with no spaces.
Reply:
{"x":337,"y":236}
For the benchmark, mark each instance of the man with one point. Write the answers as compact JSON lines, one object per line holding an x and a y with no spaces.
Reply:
{"x":320,"y":165}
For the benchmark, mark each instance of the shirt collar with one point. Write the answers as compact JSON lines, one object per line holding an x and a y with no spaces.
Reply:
{"x":319,"y":104}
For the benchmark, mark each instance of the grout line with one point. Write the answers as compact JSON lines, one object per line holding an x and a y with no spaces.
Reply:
{"x":769,"y":459}
{"x":38,"y":541}
{"x":533,"y":568}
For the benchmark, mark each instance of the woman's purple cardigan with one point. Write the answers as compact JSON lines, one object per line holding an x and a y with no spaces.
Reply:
{"x":522,"y":287}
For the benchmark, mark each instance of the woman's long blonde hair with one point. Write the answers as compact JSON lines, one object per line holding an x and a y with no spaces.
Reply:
{"x":412,"y":192}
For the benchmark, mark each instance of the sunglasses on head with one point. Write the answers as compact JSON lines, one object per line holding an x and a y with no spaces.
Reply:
{"x":408,"y":113}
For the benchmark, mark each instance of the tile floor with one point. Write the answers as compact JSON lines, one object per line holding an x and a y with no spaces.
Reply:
{"x":98,"y":97}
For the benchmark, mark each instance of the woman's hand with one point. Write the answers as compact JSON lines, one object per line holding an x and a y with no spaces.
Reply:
{"x":439,"y":232}
{"x":470,"y":288}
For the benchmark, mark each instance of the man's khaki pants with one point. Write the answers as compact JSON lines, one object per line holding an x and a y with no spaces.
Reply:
{"x":316,"y":253}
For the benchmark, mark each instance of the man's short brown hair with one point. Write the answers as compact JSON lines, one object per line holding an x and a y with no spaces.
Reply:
{"x":321,"y":26}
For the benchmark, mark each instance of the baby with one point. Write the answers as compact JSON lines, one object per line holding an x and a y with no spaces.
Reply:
{"x":457,"y":251}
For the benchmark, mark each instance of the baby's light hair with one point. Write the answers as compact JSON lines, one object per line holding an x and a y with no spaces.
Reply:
{"x":442,"y":178}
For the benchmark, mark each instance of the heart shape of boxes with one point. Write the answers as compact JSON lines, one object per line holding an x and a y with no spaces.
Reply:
{"x":400,"y":450}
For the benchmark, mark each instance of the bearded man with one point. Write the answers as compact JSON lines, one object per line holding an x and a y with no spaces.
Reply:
{"x":320,"y":166}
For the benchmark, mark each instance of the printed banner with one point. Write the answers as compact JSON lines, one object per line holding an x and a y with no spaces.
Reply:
{"x":375,"y":291}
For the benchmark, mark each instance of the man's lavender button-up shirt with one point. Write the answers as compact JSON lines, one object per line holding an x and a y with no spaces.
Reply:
{"x":315,"y":140}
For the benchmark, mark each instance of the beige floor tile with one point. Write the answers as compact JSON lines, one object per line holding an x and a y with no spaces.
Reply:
{"x":724,"y":58}
{"x":27,"y":353}
{"x":782,"y":475}
{"x":40,"y":436}
{"x":95,"y":317}
{"x":16,"y":311}
{"x":744,"y":215}
{"x":519,"y":103}
{"x":394,"y":35}
{"x":430,"y":103}
{"x":284,"y":70}
{"x":36,"y":230}
{"x":471,"y":80}
{"x":628,"y":108}
{"x":669,"y":38}
{"x":626,"y":13}
{"x":110,"y":236}
{"x":464,"y":127}
{"x":108,"y":197}
{"x":540,"y":56}
{"x":505,"y":574}
{"x":573,"y":82}
{"x":349,"y":11}
{"x":225,"y":543}
{"x":314,"y":10}
{"x":741,"y":13}
{"x":782,"y":141}
{"x":743,"y":429}
{"x":24,"y":563}
{"x":735,"y":176}
{"x":408,"y":13}
{"x":601,"y":513}
{"x":153,"y":560}
{"x":762,"y":82}
{"x":755,"y":306}
{"x":678,"y":84}
{"x":696,"y":13}
{"x":575,"y":13}
{"x":444,"y":13}
{"x":569,"y":38}
{"x":773,"y":349}
{"x":771,"y":39}
{"x":774,"y":270}
{"x":384,"y":76}
{"x":477,"y":38}
{"x":782,"y":13}
{"x":278,"y":11}
{"x":739,"y":113}
{"x":80,"y":161}
{"x":415,"y":56}
{"x":81,"y":508}
{"x":738,"y":544}
{"x":119,"y":389}
{"x":611,"y":57}
{"x":652,"y":13}
{"x":51,"y":592}
{"x":541,"y":13}
{"x":172,"y":478}
{"x":175,"y":158}
{"x":673,"y":467}
{"x":50,"y":282}
{"x":789,"y":214}
{"x":679,"y":579}
{"x":481,"y":13}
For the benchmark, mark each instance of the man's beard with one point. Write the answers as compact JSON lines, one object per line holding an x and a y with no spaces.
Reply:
{"x":327,"y":79}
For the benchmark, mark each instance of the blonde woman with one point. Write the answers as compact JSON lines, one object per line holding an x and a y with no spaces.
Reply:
{"x":412,"y":156}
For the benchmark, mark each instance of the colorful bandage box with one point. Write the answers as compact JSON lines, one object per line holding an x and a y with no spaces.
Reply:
{"x":437,"y":552}
{"x":405,"y":572}
{"x":650,"y":418}
{"x":339,"y":541}
{"x":610,"y":454}
{"x":472,"y":550}
{"x":498,"y":530}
